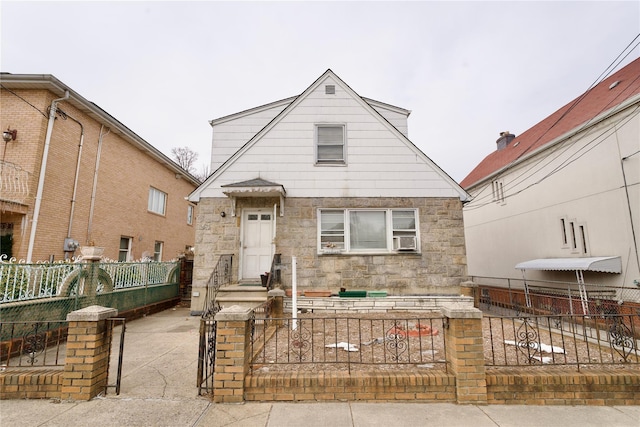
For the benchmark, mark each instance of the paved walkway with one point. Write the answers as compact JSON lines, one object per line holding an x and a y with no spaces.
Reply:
{"x":159,"y":389}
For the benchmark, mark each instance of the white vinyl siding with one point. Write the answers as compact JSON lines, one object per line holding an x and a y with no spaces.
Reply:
{"x":330,"y":144}
{"x":157,"y":201}
{"x":378,"y":163}
{"x":364,"y":230}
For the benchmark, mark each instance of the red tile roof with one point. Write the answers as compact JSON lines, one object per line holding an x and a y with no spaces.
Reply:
{"x":582,"y":109}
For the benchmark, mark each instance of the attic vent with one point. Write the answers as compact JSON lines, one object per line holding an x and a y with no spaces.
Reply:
{"x":614,"y":84}
{"x":330,"y":89}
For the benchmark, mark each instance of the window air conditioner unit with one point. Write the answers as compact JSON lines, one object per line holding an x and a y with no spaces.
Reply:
{"x":404,"y":243}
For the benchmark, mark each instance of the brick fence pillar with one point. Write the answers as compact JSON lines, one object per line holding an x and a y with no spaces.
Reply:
{"x":233,"y":348}
{"x":87,"y":358}
{"x":465,"y":353}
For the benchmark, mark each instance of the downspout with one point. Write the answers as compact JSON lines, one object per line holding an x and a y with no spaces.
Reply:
{"x":75,"y":181}
{"x":95,"y":184}
{"x":43,"y":170}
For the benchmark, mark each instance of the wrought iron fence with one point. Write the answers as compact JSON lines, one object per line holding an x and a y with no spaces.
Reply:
{"x":221,"y":275}
{"x":206,"y":355}
{"x":22,"y":282}
{"x":33,"y":343}
{"x":314,"y":342}
{"x":574,"y":340}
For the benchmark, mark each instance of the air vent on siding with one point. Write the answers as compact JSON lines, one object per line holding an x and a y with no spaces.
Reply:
{"x":330,"y":89}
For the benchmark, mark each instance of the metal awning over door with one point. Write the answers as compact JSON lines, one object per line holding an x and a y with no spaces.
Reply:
{"x":609,"y":264}
{"x":257,"y":187}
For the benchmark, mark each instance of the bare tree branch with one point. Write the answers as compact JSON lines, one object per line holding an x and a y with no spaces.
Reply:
{"x":185,"y":157}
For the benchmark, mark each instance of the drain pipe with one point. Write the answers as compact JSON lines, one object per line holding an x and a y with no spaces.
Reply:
{"x":75,"y":181}
{"x":95,"y":184}
{"x":43,"y":170}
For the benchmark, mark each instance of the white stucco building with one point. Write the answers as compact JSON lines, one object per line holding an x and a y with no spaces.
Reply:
{"x":561,"y":201}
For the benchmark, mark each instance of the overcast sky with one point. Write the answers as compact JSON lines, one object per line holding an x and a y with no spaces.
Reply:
{"x":466,"y":70}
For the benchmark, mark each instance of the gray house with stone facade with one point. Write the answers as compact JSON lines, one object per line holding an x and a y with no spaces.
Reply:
{"x":332,"y":179}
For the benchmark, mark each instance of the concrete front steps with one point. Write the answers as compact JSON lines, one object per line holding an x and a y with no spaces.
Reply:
{"x":247,"y":295}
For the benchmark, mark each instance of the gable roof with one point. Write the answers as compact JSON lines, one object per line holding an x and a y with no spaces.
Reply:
{"x":366,"y":103}
{"x":575,"y":115}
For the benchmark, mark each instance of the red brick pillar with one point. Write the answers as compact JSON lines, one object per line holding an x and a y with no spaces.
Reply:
{"x":233,"y":348}
{"x":465,"y":353}
{"x":87,"y":358}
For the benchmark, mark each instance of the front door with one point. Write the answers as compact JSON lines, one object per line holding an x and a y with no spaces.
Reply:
{"x":257,"y":241}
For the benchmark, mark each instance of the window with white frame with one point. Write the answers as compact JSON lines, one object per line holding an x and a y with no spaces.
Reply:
{"x":157,"y":251}
{"x":190,"y":214}
{"x":367,"y":230}
{"x":497,"y":189}
{"x":157,"y":201}
{"x":124,"y":253}
{"x":330,"y":145}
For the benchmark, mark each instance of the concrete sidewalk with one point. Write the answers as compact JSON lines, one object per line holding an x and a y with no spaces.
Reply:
{"x":159,"y":389}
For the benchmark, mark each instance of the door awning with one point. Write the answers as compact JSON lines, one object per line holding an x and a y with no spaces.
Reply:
{"x":610,"y":264}
{"x":257,"y":187}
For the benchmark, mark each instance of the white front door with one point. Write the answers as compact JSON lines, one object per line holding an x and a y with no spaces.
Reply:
{"x":257,"y":241}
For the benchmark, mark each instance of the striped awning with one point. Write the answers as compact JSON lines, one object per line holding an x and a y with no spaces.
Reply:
{"x":609,"y":264}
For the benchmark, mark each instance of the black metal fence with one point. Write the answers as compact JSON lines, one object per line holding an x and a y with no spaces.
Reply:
{"x":346,"y":343}
{"x":29,"y":344}
{"x":573,"y":340}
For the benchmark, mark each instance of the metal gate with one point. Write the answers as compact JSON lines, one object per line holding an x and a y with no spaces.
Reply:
{"x":221,"y":275}
{"x":112,"y":323}
{"x":206,"y":355}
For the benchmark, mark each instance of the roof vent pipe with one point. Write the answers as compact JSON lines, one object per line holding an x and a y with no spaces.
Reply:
{"x":505,"y":139}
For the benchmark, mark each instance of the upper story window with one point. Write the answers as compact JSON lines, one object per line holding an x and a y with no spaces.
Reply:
{"x":190,"y":214}
{"x":367,"y":230}
{"x":157,"y":201}
{"x":330,"y":145}
{"x":574,"y":236}
{"x":497,"y":189}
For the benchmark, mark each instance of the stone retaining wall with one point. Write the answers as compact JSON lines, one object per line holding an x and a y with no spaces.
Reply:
{"x":377,"y":304}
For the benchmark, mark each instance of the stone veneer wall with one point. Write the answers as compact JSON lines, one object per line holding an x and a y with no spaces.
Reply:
{"x":377,"y":305}
{"x":438,"y":269}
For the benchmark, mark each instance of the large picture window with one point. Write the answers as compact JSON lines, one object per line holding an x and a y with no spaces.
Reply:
{"x":367,"y":230}
{"x":157,"y":201}
{"x":330,"y":144}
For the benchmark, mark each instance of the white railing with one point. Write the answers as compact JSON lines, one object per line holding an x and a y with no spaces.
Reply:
{"x":132,"y":274}
{"x":14,"y":182}
{"x":20,"y":281}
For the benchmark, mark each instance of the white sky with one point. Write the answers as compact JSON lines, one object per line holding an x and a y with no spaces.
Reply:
{"x":466,"y":70}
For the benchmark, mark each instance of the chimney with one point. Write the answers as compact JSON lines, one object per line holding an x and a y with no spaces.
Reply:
{"x":505,"y":139}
